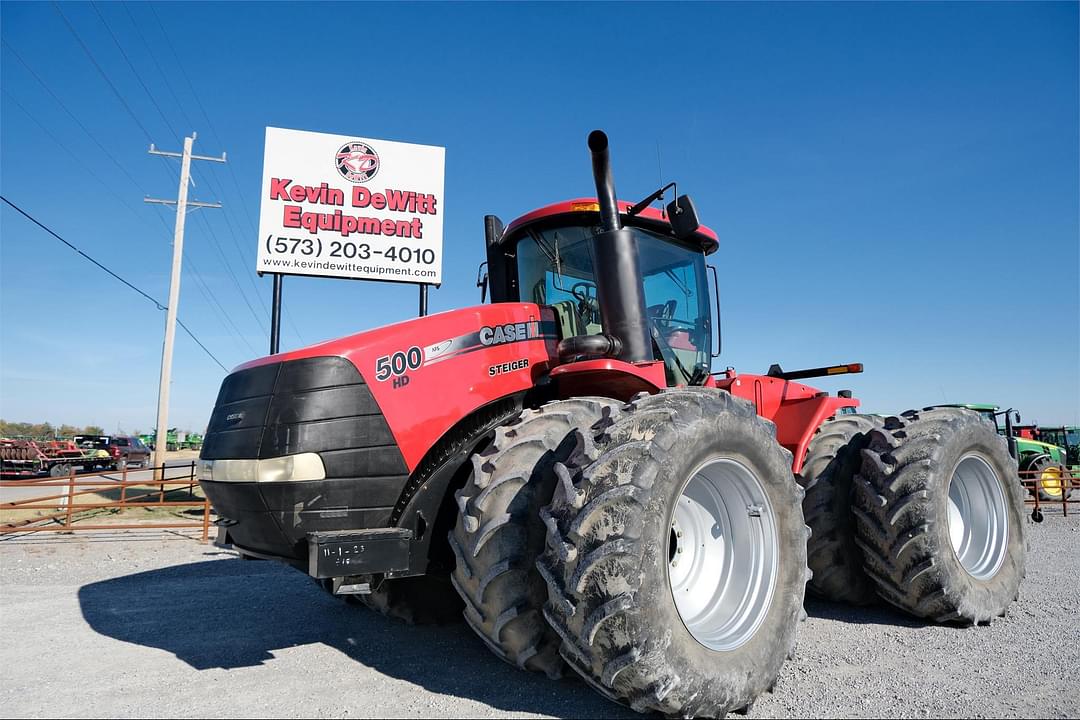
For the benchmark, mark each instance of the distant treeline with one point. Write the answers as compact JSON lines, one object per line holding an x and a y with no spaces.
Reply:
{"x":46,"y":430}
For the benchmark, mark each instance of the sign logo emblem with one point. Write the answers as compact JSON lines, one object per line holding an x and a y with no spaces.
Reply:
{"x":357,"y":162}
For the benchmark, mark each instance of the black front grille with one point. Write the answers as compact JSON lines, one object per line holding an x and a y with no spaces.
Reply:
{"x":319,"y":405}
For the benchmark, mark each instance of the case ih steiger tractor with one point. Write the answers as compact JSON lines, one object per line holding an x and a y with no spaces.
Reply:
{"x":562,"y":466}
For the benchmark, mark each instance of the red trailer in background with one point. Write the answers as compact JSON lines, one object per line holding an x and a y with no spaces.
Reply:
{"x":23,"y":457}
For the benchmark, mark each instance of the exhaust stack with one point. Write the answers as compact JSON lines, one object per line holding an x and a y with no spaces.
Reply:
{"x":618,"y":274}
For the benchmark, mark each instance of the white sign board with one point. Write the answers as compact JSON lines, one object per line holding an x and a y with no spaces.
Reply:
{"x":351,"y":207}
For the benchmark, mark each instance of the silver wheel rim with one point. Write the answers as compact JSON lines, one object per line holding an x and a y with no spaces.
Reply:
{"x":722,"y":554}
{"x":978,"y":523}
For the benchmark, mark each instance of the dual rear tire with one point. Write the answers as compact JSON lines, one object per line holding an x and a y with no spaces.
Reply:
{"x":940,"y":516}
{"x":676,"y":556}
{"x":934,"y":518}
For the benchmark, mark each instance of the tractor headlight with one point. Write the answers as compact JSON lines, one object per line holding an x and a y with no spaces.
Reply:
{"x":288,"y":468}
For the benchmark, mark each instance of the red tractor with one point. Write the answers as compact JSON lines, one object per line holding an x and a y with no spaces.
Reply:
{"x":562,"y":466}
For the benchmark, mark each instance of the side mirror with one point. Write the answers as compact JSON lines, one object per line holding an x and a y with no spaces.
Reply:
{"x":683,"y":217}
{"x":1016,"y":417}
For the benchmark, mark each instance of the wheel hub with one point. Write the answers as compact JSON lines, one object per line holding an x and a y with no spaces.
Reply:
{"x":1050,"y":481}
{"x":978,"y":522}
{"x":723,"y":554}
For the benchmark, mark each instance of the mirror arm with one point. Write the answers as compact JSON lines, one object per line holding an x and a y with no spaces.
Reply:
{"x":637,"y":209}
{"x":482,"y":282}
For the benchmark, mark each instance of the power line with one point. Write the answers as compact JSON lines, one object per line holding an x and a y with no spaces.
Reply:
{"x":232,"y":275}
{"x":201,"y":284}
{"x":105,"y":77}
{"x":101,"y":71}
{"x":240,"y":254}
{"x":69,"y":113}
{"x":213,"y":131}
{"x":133,"y":70}
{"x":129,"y":110}
{"x":168,"y":124}
{"x":157,"y":304}
{"x":68,"y":152}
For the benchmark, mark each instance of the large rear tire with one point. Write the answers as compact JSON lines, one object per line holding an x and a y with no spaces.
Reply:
{"x":940,"y":516}
{"x":828,"y":472}
{"x":676,"y":555}
{"x":499,"y":535}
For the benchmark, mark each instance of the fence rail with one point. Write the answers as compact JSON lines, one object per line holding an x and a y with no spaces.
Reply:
{"x":1051,"y":490}
{"x":154,"y":484}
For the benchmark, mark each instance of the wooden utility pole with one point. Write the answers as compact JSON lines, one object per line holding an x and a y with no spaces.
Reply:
{"x":182,"y":205}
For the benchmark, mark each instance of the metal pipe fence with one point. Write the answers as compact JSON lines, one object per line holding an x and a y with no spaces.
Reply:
{"x":1051,"y":489}
{"x":132,"y":493}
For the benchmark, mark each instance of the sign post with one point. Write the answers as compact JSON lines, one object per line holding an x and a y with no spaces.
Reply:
{"x":275,"y":317}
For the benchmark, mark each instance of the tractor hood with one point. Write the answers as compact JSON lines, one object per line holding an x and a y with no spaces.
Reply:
{"x":1025,"y":445}
{"x":423,"y":375}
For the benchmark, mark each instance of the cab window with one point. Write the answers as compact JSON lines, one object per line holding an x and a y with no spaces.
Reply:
{"x":556,"y":268}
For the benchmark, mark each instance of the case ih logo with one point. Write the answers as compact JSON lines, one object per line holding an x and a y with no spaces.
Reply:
{"x":357,"y":162}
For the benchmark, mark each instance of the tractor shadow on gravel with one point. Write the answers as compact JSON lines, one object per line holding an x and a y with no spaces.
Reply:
{"x":880,"y":614}
{"x":232,"y":614}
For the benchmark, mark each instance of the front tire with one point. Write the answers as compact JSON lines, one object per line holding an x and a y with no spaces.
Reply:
{"x":704,"y":464}
{"x":940,"y":516}
{"x":1049,"y":478}
{"x":498,"y":534}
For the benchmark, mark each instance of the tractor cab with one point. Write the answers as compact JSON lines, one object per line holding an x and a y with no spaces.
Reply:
{"x":623,"y":281}
{"x":548,"y":257}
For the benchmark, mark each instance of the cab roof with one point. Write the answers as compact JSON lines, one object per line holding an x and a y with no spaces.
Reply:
{"x":588,"y":209}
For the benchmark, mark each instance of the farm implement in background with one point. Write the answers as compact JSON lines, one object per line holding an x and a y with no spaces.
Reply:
{"x":25,"y":458}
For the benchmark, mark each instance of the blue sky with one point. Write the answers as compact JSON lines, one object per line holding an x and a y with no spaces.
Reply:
{"x":877,"y":174}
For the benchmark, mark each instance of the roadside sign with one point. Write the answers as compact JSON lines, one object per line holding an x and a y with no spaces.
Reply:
{"x":351,"y":207}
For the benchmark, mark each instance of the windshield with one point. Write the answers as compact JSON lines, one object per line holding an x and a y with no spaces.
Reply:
{"x":555,"y":268}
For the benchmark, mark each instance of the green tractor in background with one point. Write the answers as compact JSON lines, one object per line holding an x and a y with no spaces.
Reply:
{"x":1044,"y":462}
{"x":175,"y":440}
{"x":1066,"y":436}
{"x":171,"y":442}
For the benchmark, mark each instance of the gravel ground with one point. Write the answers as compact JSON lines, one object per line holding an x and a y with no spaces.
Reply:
{"x":148,"y":624}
